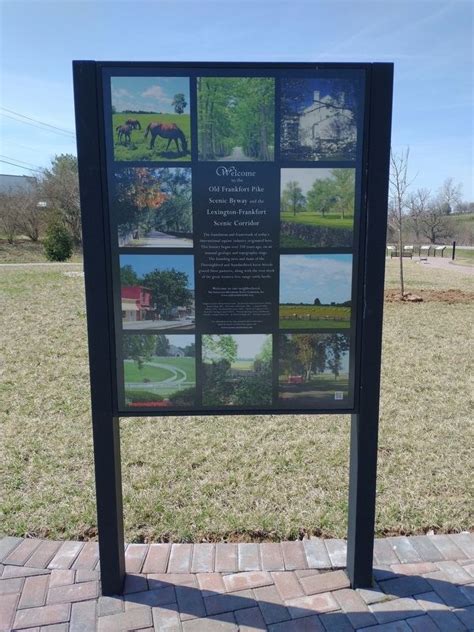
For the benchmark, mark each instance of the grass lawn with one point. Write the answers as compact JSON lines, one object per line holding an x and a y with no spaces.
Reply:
{"x":27,"y":251}
{"x":139,"y":148}
{"x":147,"y":372}
{"x":243,"y":365}
{"x":314,"y":219}
{"x":232,"y":477}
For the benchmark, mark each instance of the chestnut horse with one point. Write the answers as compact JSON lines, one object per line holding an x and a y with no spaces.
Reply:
{"x":133,"y":123}
{"x":170,"y":131}
{"x":124,"y":133}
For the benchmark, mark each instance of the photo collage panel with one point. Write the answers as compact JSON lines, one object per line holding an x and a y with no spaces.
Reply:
{"x":234,"y":204}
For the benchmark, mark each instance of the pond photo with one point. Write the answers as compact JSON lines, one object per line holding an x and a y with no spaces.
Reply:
{"x":157,"y":292}
{"x":237,"y":370}
{"x":319,"y":119}
{"x":151,"y":118}
{"x":313,"y":370}
{"x":153,"y":207}
{"x":159,"y":370}
{"x":317,"y":208}
{"x":236,"y":118}
{"x":315,"y":291}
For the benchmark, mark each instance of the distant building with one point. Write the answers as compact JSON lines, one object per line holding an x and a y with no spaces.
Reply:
{"x":326,"y":123}
{"x":136,"y":303}
{"x":175,"y":352}
{"x":17,"y":184}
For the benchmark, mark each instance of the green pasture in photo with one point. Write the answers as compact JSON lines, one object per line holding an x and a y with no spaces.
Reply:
{"x":332,"y":220}
{"x":139,"y":148}
{"x":314,"y":317}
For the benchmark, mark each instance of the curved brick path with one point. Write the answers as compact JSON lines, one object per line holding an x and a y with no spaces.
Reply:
{"x":423,"y":583}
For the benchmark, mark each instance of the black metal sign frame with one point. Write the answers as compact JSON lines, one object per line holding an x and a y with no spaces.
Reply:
{"x":93,"y":138}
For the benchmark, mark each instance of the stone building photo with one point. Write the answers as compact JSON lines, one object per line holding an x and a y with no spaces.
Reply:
{"x":319,"y":119}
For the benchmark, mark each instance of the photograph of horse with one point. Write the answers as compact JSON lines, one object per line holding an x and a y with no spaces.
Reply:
{"x":151,"y":121}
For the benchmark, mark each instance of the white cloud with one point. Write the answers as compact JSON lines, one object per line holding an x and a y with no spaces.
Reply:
{"x":157,"y":92}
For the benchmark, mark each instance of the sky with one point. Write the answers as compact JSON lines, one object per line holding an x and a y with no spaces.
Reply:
{"x":306,"y":277}
{"x":429,"y":41}
{"x":142,"y":264}
{"x":180,"y":340}
{"x":304,"y":177}
{"x":153,"y":94}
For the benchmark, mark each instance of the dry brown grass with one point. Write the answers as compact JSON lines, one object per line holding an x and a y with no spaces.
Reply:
{"x":219,"y":477}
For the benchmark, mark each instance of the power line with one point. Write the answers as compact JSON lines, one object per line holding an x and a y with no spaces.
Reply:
{"x":19,"y":166}
{"x":63,"y":134}
{"x":61,"y":129}
{"x":18,"y":160}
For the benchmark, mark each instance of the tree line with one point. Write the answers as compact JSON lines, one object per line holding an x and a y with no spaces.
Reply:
{"x":235,"y":112}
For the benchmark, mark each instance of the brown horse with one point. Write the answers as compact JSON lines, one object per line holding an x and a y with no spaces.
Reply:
{"x":124,"y":133}
{"x":133,"y":123}
{"x":170,"y":131}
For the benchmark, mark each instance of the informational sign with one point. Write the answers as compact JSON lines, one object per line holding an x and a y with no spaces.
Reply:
{"x":234,"y":206}
{"x":234,"y":219}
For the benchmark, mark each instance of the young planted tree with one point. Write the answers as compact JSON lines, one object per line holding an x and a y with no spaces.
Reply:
{"x":399,"y":186}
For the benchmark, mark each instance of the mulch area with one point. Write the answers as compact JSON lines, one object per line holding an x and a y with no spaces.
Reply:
{"x":429,"y":296}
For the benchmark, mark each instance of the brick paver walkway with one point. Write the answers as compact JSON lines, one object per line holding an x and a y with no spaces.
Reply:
{"x":423,"y":584}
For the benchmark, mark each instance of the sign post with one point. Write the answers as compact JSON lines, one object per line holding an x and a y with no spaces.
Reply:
{"x":234,"y":220}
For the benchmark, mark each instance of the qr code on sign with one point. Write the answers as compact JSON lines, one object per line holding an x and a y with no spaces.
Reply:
{"x":338,"y":395}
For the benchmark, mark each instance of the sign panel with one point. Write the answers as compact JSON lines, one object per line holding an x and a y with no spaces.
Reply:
{"x":234,"y":220}
{"x":234,"y":203}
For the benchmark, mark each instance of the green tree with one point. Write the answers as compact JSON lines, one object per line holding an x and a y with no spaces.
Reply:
{"x":219,"y":347}
{"x":162,"y":345}
{"x":139,"y":348}
{"x":310,"y":351}
{"x":60,"y":187}
{"x":190,"y":350}
{"x":337,"y":345}
{"x":321,"y":197}
{"x":179,"y":103}
{"x":169,"y":289}
{"x":292,"y":198}
{"x":58,"y":244}
{"x":344,"y":190}
{"x":128,"y":276}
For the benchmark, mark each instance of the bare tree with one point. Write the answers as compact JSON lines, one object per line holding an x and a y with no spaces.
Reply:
{"x":418,"y":204}
{"x":435,"y":224}
{"x":9,"y":225}
{"x":31,"y":213}
{"x":399,"y":185}
{"x":449,"y":195}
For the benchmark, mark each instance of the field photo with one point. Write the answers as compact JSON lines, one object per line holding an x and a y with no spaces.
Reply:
{"x":159,"y":371}
{"x":319,"y":119}
{"x":153,"y":207}
{"x":315,"y":291}
{"x":157,"y":292}
{"x":317,"y":208}
{"x":151,"y":119}
{"x":313,"y":370}
{"x":236,"y":118}
{"x":237,"y":370}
